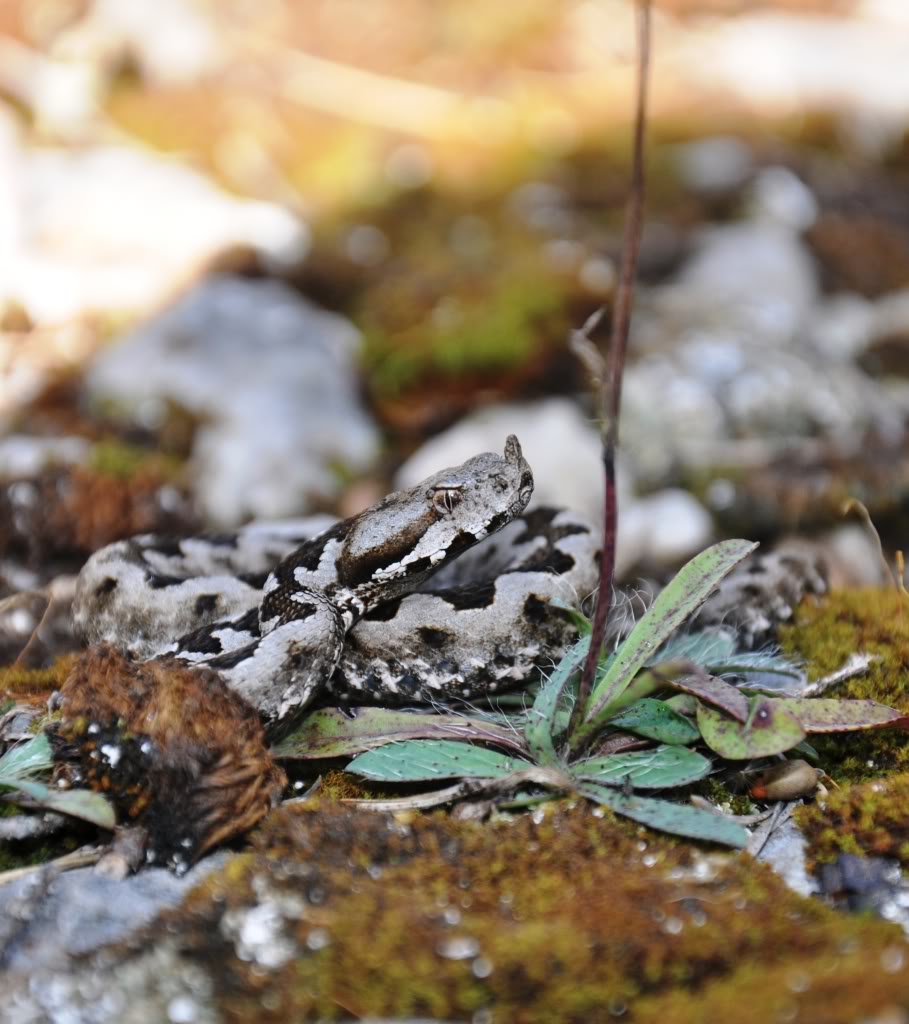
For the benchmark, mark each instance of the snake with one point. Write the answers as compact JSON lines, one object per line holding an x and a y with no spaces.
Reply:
{"x":451,"y":589}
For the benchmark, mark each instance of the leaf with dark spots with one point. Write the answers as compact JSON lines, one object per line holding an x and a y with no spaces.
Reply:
{"x":820,"y":714}
{"x":428,"y":760}
{"x":714,"y":691}
{"x":769,"y":730}
{"x":657,"y":721}
{"x":331,"y":733}
{"x":677,"y":819}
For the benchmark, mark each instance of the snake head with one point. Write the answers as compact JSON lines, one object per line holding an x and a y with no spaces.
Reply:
{"x":414,"y":532}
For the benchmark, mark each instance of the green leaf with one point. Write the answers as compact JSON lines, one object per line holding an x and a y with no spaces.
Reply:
{"x":673,"y":605}
{"x":541,"y":719}
{"x":78,"y":803}
{"x":770,"y":729}
{"x":826,"y":714}
{"x":332,"y":733}
{"x":677,"y":819}
{"x":661,"y":768}
{"x":429,"y":760}
{"x":657,"y":721}
{"x":26,"y":759}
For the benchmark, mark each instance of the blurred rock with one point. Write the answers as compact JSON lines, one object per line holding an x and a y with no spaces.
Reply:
{"x":779,"y":196}
{"x":663,"y":529}
{"x":113,"y":228}
{"x":718,"y":164}
{"x":48,"y":918}
{"x":179,"y":43}
{"x":887,"y":354}
{"x":22,"y":455}
{"x":739,"y":347}
{"x":272,"y":378}
{"x":853,"y":557}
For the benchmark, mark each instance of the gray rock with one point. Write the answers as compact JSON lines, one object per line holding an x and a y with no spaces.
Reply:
{"x":738,"y":346}
{"x":48,"y":918}
{"x":721,"y":163}
{"x":273,"y":379}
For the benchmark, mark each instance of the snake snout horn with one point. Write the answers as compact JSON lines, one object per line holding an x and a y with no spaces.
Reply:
{"x":513,"y":451}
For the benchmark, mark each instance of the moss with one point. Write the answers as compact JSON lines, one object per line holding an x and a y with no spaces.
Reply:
{"x":559,"y":917}
{"x":25,"y":853}
{"x":338,"y":785}
{"x":825,"y":634}
{"x":34,"y":683}
{"x":719,"y":793}
{"x":124,"y":461}
{"x":862,"y":819}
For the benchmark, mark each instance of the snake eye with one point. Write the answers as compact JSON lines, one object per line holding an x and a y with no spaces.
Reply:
{"x":445,"y":499}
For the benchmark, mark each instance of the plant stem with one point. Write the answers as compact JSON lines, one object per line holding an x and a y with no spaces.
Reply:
{"x":611,"y":393}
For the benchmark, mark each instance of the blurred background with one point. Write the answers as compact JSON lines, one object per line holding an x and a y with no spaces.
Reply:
{"x":272,"y":258}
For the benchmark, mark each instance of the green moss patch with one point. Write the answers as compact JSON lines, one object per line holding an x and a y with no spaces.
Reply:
{"x":566,"y":915}
{"x":34,"y":683}
{"x":862,"y":819}
{"x":825,"y":634}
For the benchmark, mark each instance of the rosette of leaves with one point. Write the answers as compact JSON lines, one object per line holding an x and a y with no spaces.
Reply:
{"x":660,"y":694}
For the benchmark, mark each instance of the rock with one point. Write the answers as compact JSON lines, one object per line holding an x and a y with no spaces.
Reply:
{"x":50,"y":917}
{"x":179,"y":44}
{"x":118,"y":228}
{"x":754,"y":278}
{"x":719,"y":164}
{"x":887,"y":354}
{"x":663,"y":529}
{"x":737,"y":348}
{"x":22,"y":455}
{"x":779,"y":196}
{"x":272,"y":378}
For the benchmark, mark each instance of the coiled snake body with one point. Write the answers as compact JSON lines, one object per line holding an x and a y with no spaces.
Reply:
{"x":444,"y":590}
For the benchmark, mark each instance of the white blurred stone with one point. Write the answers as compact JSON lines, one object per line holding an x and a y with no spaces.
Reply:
{"x":23,"y":455}
{"x":754,"y":278}
{"x":273,"y":379}
{"x":779,"y":196}
{"x":891,"y":316}
{"x":841,"y":326}
{"x":663,"y":529}
{"x":170,"y":41}
{"x":853,"y":557}
{"x":721,"y":163}
{"x":118,"y":228}
{"x":559,"y":441}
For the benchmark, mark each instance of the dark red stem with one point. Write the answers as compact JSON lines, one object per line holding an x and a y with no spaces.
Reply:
{"x":611,"y":397}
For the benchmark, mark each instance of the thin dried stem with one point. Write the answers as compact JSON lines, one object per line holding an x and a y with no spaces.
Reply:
{"x":611,"y":392}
